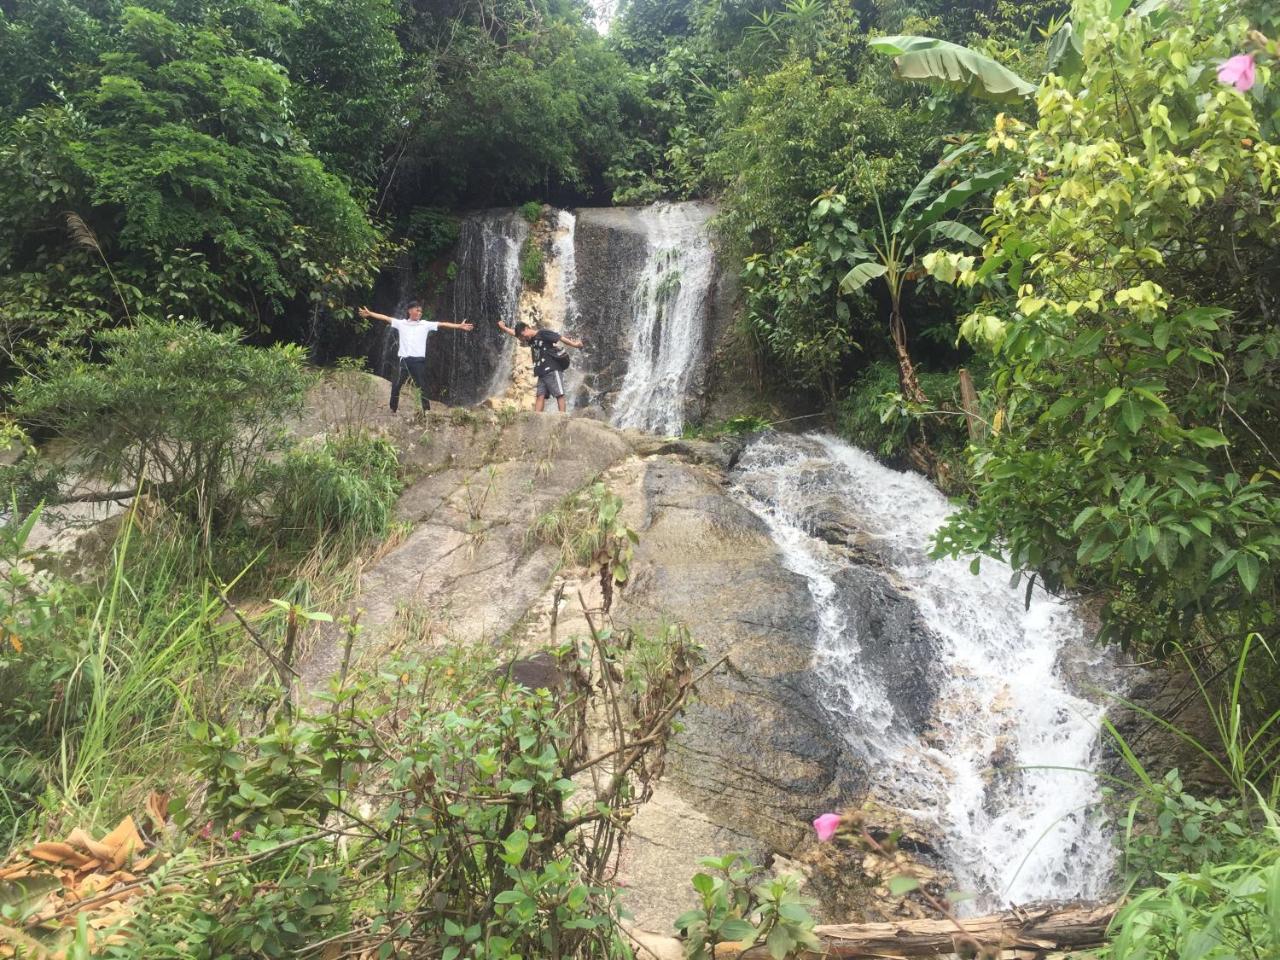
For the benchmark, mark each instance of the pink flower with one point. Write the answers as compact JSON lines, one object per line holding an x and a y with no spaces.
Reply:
{"x":826,"y":826}
{"x":1238,"y":71}
{"x":236,"y":836}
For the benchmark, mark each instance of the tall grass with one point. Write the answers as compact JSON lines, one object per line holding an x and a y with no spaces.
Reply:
{"x":132,"y":650}
{"x":152,"y":634}
{"x":1203,"y":873}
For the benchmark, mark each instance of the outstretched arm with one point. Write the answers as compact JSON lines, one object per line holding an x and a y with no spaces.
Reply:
{"x":464,"y":325}
{"x":367,"y":313}
{"x":509,"y":331}
{"x":576,"y":344}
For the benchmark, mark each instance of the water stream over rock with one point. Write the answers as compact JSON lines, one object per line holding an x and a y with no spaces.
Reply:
{"x":978,"y":724}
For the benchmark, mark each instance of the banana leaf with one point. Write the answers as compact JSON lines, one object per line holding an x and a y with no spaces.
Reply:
{"x":962,"y":69}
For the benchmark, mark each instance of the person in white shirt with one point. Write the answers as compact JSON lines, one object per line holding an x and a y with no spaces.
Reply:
{"x":412,"y":331}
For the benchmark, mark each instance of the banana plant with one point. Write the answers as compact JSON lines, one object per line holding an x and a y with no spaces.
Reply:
{"x":968,"y":71}
{"x":891,"y":249}
{"x":958,"y":67}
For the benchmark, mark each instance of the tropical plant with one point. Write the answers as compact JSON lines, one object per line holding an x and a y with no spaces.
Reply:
{"x":890,"y":250}
{"x":958,"y":67}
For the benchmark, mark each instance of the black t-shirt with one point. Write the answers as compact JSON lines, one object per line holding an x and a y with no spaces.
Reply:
{"x":546,"y":351}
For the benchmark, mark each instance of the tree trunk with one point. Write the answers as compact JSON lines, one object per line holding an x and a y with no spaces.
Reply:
{"x":1035,"y":929}
{"x":969,"y":399}
{"x":906,"y":369}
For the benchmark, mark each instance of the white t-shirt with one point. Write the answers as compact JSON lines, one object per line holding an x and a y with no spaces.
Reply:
{"x":413,"y":336}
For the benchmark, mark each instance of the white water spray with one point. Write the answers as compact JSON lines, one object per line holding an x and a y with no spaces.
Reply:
{"x":668,"y":313}
{"x":1015,"y":830}
{"x":562,"y":253}
{"x":499,"y":253}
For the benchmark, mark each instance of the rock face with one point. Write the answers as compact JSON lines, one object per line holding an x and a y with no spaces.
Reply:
{"x":759,"y":756}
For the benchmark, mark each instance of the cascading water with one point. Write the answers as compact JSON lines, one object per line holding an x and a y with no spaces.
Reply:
{"x":490,"y":246}
{"x":564,"y":255}
{"x":668,"y":317}
{"x":1004,"y":711}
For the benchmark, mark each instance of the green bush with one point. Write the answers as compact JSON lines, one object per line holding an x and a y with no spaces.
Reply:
{"x":94,"y":676}
{"x":345,"y":487}
{"x":1139,"y":389}
{"x":731,"y":908}
{"x":532,"y":267}
{"x":873,"y":416}
{"x":474,"y":844}
{"x":191,"y":413}
{"x":531,"y":211}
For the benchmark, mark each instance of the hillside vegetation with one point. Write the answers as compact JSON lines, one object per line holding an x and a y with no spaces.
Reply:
{"x":1078,"y":206}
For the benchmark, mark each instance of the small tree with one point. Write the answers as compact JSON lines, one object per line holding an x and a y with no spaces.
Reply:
{"x":186,"y":411}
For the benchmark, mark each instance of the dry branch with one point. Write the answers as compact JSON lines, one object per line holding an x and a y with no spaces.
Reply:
{"x":1051,"y":927}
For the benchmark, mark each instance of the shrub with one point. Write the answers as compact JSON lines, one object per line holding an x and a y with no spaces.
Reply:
{"x":451,"y":791}
{"x":190,"y":412}
{"x":1139,"y":388}
{"x":732,"y":909}
{"x":345,"y":487}
{"x":531,"y":211}
{"x":874,"y":416}
{"x":532,"y":267}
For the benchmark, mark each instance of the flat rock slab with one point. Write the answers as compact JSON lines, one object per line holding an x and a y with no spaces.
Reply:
{"x":468,"y":571}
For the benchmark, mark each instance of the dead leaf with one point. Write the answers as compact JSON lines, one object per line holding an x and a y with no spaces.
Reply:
{"x":124,"y":841}
{"x":80,"y":839}
{"x":158,"y":809}
{"x":55,"y":852}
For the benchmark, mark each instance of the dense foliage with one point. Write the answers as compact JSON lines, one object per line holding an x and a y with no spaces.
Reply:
{"x":1136,"y":357}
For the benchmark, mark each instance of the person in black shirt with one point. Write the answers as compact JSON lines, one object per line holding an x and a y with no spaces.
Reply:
{"x":550,"y":360}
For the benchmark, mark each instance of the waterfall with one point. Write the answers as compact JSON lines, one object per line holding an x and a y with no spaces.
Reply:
{"x":667,"y":319}
{"x":1007,"y":705}
{"x":490,"y":246}
{"x":564,"y":255}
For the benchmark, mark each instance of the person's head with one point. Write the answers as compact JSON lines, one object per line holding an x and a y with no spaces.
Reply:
{"x":415,"y":310}
{"x":524,"y":331}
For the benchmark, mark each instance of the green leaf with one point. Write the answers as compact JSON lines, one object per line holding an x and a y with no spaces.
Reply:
{"x":957,"y":231}
{"x":1065,"y":55}
{"x":960,"y":68}
{"x":1207,"y":437}
{"x":704,"y":883}
{"x":736,"y":929}
{"x":861,"y":275}
{"x":1132,"y":415}
{"x":515,"y":846}
{"x":952,"y":199}
{"x":902,"y":884}
{"x":780,"y":942}
{"x":1063,"y":407}
{"x":510,"y":896}
{"x":1082,"y":517}
{"x":521,"y":786}
{"x":1247,"y":568}
{"x":687,"y":919}
{"x":924,"y":188}
{"x":1113,"y":395}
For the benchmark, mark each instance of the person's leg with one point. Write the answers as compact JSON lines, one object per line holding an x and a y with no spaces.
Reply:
{"x":559,"y":390}
{"x":418,"y":367}
{"x":540,"y":395}
{"x":402,"y":374}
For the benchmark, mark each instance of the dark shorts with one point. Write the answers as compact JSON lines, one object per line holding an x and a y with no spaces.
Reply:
{"x":551,"y":385}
